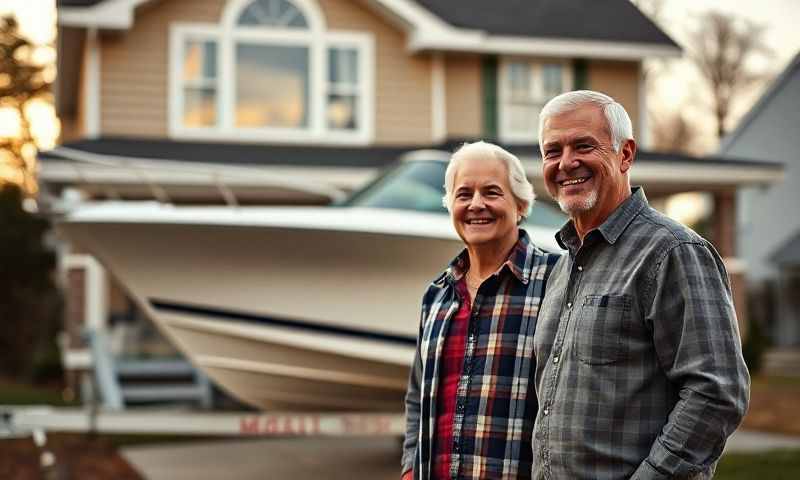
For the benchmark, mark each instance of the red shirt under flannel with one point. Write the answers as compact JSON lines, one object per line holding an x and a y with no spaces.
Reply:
{"x":451,"y":366}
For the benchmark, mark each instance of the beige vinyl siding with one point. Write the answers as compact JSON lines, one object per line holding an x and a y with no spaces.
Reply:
{"x":72,"y":123}
{"x":73,"y":127}
{"x":621,"y":81}
{"x":134,"y":66}
{"x":463,"y":96}
{"x":402,"y":82}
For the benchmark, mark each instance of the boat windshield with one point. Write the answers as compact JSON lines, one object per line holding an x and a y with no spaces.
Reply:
{"x":419,"y":185}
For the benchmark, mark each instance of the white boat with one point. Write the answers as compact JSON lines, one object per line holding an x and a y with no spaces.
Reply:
{"x":291,"y":308}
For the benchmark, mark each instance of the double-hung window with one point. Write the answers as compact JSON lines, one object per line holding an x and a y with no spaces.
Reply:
{"x":270,"y":71}
{"x":525,"y":86}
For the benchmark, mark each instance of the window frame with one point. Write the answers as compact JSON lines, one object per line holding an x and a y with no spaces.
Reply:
{"x":316,"y":38}
{"x":536,"y":65}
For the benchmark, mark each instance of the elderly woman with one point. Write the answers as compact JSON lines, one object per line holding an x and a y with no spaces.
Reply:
{"x":470,"y":404}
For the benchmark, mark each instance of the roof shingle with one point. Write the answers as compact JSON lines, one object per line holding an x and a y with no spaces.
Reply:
{"x":606,"y":20}
{"x":603,"y":20}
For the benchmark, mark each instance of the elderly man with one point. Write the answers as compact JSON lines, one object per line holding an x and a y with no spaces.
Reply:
{"x":639,"y":368}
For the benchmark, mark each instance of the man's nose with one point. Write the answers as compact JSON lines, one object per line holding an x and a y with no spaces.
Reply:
{"x":568,"y":161}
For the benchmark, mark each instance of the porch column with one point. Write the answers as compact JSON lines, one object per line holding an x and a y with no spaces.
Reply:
{"x":724,"y":239}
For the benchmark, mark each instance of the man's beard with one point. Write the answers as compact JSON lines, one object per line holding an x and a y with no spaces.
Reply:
{"x":584,"y":205}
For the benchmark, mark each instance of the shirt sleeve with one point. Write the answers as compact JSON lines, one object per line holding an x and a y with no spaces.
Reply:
{"x":696,"y":339}
{"x":412,"y":401}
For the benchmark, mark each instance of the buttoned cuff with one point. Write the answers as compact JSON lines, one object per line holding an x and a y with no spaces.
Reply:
{"x":671,"y":463}
{"x":648,"y":472}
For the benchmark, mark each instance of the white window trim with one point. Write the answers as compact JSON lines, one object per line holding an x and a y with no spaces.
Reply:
{"x":91,"y":98}
{"x":504,"y":133}
{"x":320,"y":41}
{"x":438,"y":98}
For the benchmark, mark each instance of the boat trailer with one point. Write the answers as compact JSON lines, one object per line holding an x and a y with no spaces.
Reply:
{"x":24,"y":421}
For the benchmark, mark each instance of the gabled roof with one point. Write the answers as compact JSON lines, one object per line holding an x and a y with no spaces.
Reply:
{"x":789,"y":254}
{"x":789,"y":73}
{"x":613,"y":29}
{"x":77,"y":3}
{"x":607,"y":20}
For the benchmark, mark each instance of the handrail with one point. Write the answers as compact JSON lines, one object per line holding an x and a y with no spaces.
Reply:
{"x":216,"y":174}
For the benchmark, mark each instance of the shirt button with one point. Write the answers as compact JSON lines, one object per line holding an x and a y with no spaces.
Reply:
{"x":580,"y":268}
{"x":555,"y":359}
{"x":569,"y":304}
{"x":546,"y":412}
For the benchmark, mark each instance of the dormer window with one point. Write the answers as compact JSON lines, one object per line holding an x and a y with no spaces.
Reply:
{"x":525,"y":86}
{"x":271,"y":71}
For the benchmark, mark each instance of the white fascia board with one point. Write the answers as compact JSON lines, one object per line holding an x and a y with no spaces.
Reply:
{"x":87,"y":167}
{"x":111,"y":14}
{"x":284,"y":177}
{"x":411,"y":15}
{"x":472,"y":41}
{"x":669,"y":173}
{"x":712,"y":175}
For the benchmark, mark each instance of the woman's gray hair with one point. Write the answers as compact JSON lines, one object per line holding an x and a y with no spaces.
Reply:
{"x":520,"y":186}
{"x":619,"y":123}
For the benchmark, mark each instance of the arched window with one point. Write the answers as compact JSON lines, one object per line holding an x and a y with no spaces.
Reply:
{"x":271,"y":71}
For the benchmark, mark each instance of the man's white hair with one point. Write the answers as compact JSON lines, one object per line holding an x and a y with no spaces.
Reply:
{"x":619,"y":123}
{"x":521,"y":188}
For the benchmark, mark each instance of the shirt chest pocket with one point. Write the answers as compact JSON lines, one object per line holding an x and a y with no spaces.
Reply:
{"x":603,"y":324}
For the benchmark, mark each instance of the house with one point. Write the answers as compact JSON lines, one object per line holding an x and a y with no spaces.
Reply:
{"x":293,"y":101}
{"x":768,"y":227}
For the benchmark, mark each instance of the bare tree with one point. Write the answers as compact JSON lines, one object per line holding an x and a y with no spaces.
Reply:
{"x":673,"y":132}
{"x":654,"y":10}
{"x":723,"y":49}
{"x":21,"y":80}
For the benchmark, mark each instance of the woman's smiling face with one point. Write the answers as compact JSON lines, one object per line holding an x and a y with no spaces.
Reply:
{"x":484,"y":209}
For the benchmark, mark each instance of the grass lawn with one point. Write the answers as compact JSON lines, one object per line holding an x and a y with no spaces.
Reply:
{"x":777,"y":465}
{"x":21,"y":394}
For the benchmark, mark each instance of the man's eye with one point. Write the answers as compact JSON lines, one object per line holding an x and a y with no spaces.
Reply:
{"x":551,"y":154}
{"x":585,"y":147}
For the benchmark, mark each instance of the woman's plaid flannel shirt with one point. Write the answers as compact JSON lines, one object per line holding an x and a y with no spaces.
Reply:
{"x":496,"y":405}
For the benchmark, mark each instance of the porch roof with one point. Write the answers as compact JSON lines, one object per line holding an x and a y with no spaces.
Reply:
{"x":349,"y":167}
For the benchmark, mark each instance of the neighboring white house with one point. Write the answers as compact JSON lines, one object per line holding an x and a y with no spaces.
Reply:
{"x":768,"y":223}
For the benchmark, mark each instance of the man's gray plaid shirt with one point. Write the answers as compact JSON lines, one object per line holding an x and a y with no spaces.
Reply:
{"x":640,"y":372}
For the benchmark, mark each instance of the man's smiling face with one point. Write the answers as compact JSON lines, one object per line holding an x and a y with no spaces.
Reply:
{"x":581,"y":170}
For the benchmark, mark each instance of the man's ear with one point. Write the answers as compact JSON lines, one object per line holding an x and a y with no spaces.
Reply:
{"x":628,"y":151}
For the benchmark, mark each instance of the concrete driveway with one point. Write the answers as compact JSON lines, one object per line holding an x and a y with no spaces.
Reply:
{"x":275,"y":458}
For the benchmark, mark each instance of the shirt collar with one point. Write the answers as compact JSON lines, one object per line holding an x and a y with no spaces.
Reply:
{"x":612,"y":227}
{"x":519,"y":261}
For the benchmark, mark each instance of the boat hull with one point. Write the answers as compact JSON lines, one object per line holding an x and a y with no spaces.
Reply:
{"x":281,"y":318}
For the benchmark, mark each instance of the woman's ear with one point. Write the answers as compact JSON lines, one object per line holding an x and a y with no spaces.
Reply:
{"x":521,"y":209}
